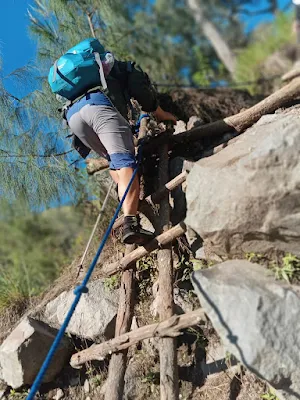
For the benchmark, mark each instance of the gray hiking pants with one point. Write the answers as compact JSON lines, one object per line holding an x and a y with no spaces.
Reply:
{"x":104,"y":130}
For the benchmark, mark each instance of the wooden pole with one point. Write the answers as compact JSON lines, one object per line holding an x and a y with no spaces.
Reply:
{"x":118,"y":362}
{"x":172,"y":327}
{"x":169,"y":389}
{"x":238,"y":122}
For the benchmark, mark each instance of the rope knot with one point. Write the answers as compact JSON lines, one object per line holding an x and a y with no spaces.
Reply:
{"x":80,"y":289}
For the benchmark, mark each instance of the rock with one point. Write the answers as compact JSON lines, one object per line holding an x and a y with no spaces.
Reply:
{"x":246,"y":198}
{"x":24,"y":351}
{"x":194,"y":122}
{"x":134,"y":324}
{"x":74,"y":380}
{"x":86,"y":386}
{"x":201,"y":255}
{"x":257,"y":320}
{"x":181,"y":300}
{"x":94,"y":317}
{"x":146,"y":224}
{"x":103,"y":389}
{"x":179,"y":127}
{"x":59,"y":394}
{"x":2,"y":393}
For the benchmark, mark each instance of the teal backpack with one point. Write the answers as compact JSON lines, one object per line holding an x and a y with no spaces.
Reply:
{"x":81,"y":68}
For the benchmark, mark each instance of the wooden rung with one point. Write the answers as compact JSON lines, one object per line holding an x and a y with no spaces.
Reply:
{"x":171,"y":327}
{"x":160,"y":241}
{"x":156,"y":197}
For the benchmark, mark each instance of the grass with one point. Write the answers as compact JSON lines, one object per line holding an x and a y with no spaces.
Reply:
{"x":15,"y":395}
{"x":113,"y":282}
{"x":288,"y":269}
{"x":285,"y":267}
{"x":270,"y":395}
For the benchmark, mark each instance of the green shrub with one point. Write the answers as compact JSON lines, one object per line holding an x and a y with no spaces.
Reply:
{"x":35,"y":247}
{"x":265,"y":41}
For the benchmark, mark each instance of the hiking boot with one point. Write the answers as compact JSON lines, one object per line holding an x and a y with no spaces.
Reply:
{"x":133,"y":233}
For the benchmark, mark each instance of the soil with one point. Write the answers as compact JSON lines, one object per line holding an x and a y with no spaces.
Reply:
{"x":209,"y":104}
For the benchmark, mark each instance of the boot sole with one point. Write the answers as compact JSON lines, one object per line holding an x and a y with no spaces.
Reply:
{"x":133,"y":239}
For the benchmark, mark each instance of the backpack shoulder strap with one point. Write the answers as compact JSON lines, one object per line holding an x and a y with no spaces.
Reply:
{"x":101,"y":72}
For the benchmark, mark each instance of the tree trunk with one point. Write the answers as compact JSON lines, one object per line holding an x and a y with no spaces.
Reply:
{"x":212,"y":34}
{"x":167,"y":346}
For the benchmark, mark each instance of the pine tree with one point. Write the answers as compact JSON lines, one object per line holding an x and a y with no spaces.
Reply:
{"x":33,"y":158}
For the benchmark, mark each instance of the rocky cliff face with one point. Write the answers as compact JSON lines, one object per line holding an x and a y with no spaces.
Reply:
{"x":246,"y":198}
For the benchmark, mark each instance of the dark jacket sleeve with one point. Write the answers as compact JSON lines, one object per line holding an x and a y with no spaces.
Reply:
{"x":141,"y":89}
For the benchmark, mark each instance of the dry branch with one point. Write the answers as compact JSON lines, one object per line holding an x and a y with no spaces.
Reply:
{"x":96,"y":164}
{"x":118,"y":362}
{"x":156,"y":197}
{"x":238,"y":122}
{"x":160,"y":241}
{"x":294,"y":73}
{"x":172,"y":327}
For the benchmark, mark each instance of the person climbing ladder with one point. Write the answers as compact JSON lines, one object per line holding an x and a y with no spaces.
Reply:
{"x":98,"y":88}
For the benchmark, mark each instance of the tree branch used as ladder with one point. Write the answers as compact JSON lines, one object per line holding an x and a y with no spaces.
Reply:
{"x":172,"y":327}
{"x":238,"y":122}
{"x":160,"y":241}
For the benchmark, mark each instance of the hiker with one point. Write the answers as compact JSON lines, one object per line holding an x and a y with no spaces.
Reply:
{"x":97,"y":115}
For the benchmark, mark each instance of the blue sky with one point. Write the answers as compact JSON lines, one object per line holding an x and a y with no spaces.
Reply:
{"x":16,"y":46}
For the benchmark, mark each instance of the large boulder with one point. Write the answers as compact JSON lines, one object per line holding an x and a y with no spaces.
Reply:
{"x":257,"y":319}
{"x":95,"y":314}
{"x":24,"y":351}
{"x":247,"y":197}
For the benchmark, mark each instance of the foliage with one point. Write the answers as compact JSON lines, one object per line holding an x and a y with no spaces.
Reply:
{"x":265,"y":41}
{"x":33,"y":157}
{"x":161,"y":36}
{"x":112,"y":282}
{"x":270,"y":395}
{"x":289,"y":268}
{"x":146,"y":274}
{"x":16,"y":395}
{"x":34,"y":248}
{"x":202,"y":77}
{"x":200,"y":339}
{"x":253,"y":257}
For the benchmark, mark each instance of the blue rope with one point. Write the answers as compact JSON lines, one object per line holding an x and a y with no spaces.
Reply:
{"x":78,"y":292}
